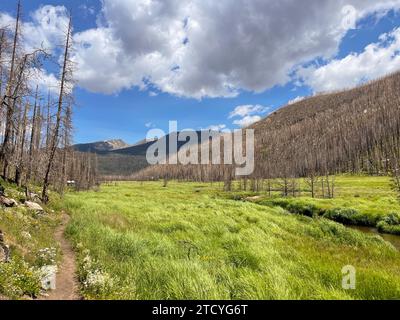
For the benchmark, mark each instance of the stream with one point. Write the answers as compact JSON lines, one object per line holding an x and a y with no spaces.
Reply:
{"x":393,"y":239}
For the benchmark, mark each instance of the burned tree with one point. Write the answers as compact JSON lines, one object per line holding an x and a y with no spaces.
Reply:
{"x":54,"y":139}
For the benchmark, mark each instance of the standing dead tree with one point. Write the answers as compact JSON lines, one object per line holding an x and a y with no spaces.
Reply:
{"x":54,"y":140}
{"x":20,"y":160}
{"x":7,"y":100}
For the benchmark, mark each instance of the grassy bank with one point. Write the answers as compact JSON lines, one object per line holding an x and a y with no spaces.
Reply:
{"x":30,"y":238}
{"x":186,"y":241}
{"x":363,"y":201}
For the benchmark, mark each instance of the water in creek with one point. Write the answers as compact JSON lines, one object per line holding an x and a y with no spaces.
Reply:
{"x":393,"y":239}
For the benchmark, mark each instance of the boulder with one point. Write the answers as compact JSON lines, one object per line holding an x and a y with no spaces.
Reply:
{"x":9,"y":203}
{"x":48,"y":277}
{"x":33,"y":206}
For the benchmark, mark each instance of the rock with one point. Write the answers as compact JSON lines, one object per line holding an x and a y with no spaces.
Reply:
{"x":34,"y":197}
{"x":33,"y":206}
{"x":4,"y":249}
{"x":9,"y":203}
{"x":48,"y":277}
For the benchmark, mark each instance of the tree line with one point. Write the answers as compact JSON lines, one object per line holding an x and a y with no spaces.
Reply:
{"x":36,"y":127}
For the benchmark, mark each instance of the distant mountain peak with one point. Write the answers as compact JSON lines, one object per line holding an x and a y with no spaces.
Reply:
{"x":117,"y":144}
{"x":102,"y":146}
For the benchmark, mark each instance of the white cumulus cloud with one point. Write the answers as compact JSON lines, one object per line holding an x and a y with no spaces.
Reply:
{"x":248,"y":114}
{"x":295,"y":100}
{"x":246,"y":110}
{"x":377,"y":59}
{"x":46,"y":29}
{"x":247,"y":121}
{"x":203,"y":48}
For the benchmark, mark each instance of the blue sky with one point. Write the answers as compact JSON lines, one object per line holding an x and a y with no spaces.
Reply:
{"x":128,"y":111}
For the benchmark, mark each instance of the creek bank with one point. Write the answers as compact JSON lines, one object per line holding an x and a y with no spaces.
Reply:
{"x":387,"y":226}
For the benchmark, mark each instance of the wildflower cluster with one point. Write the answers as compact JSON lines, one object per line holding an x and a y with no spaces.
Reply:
{"x":18,"y":279}
{"x":94,"y":280}
{"x":46,"y":257}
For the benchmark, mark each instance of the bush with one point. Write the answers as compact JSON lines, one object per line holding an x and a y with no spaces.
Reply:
{"x":384,"y":227}
{"x":343,"y":215}
{"x":392,"y":219}
{"x":390,"y":224}
{"x":303,"y":209}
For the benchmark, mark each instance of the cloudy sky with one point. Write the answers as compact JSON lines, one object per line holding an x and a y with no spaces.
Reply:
{"x":205,"y":63}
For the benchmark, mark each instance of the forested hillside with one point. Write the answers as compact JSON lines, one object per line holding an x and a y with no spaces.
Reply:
{"x":353,"y":131}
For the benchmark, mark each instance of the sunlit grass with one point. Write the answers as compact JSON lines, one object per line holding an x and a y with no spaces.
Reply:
{"x":370,"y":198}
{"x":186,"y":241}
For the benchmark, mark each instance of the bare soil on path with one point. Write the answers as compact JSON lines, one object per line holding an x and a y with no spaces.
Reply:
{"x":67,"y":286}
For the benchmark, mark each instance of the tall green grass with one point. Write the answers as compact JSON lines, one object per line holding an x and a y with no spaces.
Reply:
{"x":143,"y":241}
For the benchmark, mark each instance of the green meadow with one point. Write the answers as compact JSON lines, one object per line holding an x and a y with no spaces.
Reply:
{"x":193,"y":241}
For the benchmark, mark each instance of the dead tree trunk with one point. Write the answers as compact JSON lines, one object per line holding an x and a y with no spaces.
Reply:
{"x":20,"y":165}
{"x":54,"y":139}
{"x":8,"y":99}
{"x":33,"y":136}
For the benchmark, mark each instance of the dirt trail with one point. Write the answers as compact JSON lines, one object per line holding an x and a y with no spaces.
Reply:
{"x":67,"y":287}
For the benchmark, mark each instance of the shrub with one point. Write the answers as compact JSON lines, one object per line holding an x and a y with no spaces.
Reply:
{"x":383,"y":227}
{"x":392,"y":219}
{"x":343,"y":215}
{"x":304,"y":209}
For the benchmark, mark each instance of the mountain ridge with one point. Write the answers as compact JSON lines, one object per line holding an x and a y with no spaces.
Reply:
{"x":101,"y":146}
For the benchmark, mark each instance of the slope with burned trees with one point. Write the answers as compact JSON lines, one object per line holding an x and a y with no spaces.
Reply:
{"x":353,"y":131}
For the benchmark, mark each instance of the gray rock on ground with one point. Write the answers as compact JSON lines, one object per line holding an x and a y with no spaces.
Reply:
{"x":9,"y":203}
{"x":33,"y":206}
{"x":4,"y":249}
{"x":48,"y":279}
